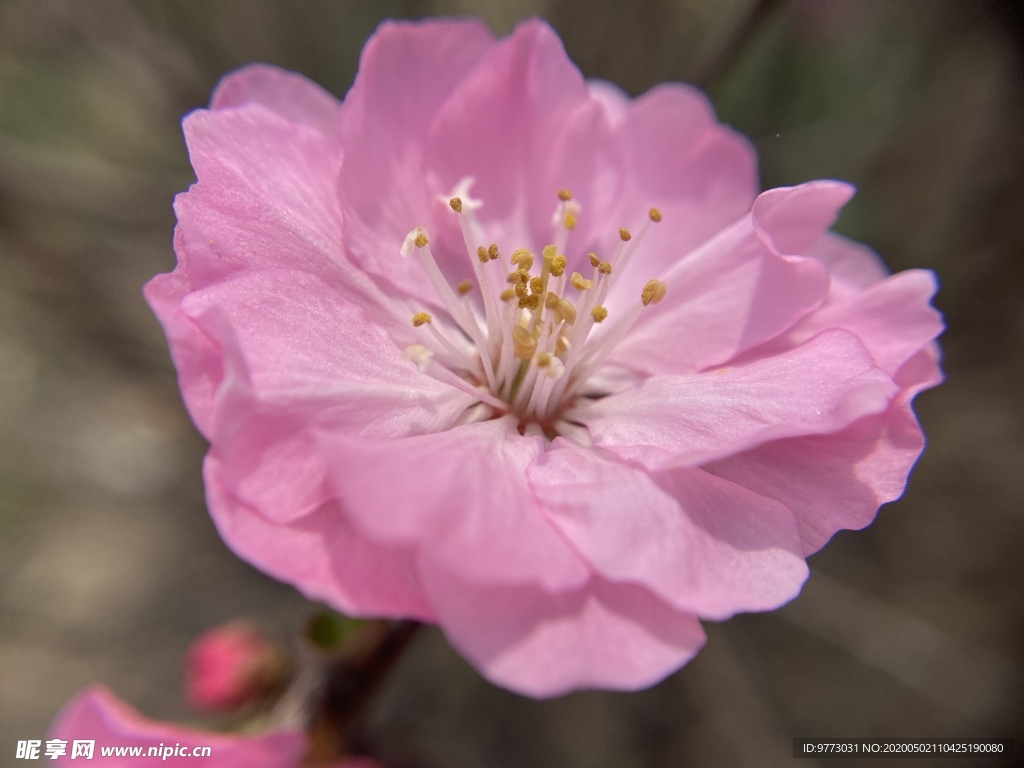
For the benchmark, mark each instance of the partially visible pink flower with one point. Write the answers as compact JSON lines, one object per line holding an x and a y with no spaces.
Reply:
{"x":566,"y":471}
{"x":97,"y":715}
{"x":230,"y":666}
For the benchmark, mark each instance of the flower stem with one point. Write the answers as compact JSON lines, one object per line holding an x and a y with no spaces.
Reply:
{"x":349,"y":684}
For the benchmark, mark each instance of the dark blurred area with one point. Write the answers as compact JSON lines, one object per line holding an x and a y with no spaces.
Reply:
{"x":108,"y":560}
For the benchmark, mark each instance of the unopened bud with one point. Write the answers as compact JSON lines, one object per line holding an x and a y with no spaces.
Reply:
{"x":230,"y":666}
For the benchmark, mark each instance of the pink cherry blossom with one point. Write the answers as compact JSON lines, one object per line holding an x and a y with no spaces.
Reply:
{"x":564,"y":479}
{"x":98,"y":716}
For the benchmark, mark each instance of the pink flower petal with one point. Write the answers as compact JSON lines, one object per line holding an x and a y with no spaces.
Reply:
{"x":920,"y":372}
{"x":234,"y":221}
{"x":791,"y":220}
{"x":461,"y":496}
{"x":838,"y":481}
{"x":678,"y":150}
{"x":703,"y":545}
{"x":849,"y":262}
{"x":288,"y":94}
{"x":900,"y":301}
{"x":737,"y":290}
{"x":196,"y":357}
{"x":96,"y":714}
{"x":501,"y":125}
{"x":700,"y":174}
{"x":406,"y":73}
{"x":265,"y":197}
{"x":322,"y":554}
{"x":613,"y":99}
{"x":819,"y":387}
{"x":301,"y":357}
{"x":541,"y":644}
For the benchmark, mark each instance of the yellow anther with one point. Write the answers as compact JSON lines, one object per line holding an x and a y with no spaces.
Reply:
{"x":523,"y":258}
{"x":551,"y":301}
{"x":456,"y":204}
{"x":550,"y":251}
{"x":481,"y":253}
{"x":599,"y":314}
{"x":519,"y":276}
{"x":653,"y":292}
{"x":520,"y":290}
{"x":420,"y":318}
{"x":507,"y":294}
{"x":523,"y":343}
{"x":594,"y":261}
{"x":562,"y":344}
{"x":571,"y":220}
{"x":566,"y":311}
{"x":543,"y":360}
{"x":536,"y":285}
{"x":421,"y":240}
{"x":464,"y":287}
{"x":492,"y":251}
{"x":564,"y":195}
{"x":604,"y":268}
{"x":579,"y":282}
{"x":655,"y":215}
{"x":531,"y":303}
{"x":624,"y":235}
{"x":558,"y":265}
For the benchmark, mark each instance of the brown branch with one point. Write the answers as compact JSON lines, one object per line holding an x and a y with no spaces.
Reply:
{"x":350,"y":681}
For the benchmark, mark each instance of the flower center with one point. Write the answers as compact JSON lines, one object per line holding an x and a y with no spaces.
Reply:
{"x":532,"y":350}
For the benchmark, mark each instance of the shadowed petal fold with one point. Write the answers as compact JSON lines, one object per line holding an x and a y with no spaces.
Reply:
{"x":703,"y":545}
{"x":819,"y":387}
{"x":539,"y":644}
{"x":461,"y":497}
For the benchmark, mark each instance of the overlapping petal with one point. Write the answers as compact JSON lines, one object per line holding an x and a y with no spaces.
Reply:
{"x":705,"y":546}
{"x":817,"y":388}
{"x":744,"y":286}
{"x":502,"y":127}
{"x":290,"y":95}
{"x":461,"y":498}
{"x":680,"y":159}
{"x":406,"y":73}
{"x":322,"y":554}
{"x":265,"y":197}
{"x":542,"y":644}
{"x":298,"y":357}
{"x":839,"y":480}
{"x":901,"y":301}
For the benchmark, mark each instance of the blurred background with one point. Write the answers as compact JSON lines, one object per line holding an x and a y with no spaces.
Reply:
{"x":109,"y":564}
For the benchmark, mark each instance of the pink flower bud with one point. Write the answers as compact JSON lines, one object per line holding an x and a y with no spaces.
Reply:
{"x":230,"y":666}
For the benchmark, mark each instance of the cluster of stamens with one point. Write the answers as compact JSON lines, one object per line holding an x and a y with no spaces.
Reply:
{"x":528,"y":354}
